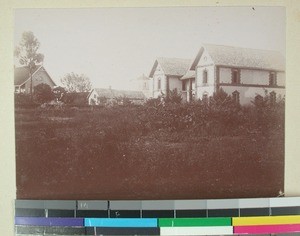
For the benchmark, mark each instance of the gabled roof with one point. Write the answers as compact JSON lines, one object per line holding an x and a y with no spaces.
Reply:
{"x":113,"y":93}
{"x":189,"y":75}
{"x":21,"y":74}
{"x":242,"y":57}
{"x":171,"y":66}
{"x":103,"y":92}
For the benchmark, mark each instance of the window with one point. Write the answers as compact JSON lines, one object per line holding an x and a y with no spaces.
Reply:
{"x":236,"y":97}
{"x":235,"y":76}
{"x":204,"y":77}
{"x":272,"y":98}
{"x":159,"y":84}
{"x":183,"y":85}
{"x":145,"y":85}
{"x":272,"y":79}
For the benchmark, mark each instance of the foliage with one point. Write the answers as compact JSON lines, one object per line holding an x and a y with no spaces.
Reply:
{"x":76,"y":83}
{"x":75,"y":99}
{"x":27,"y":53}
{"x":24,"y":100}
{"x":27,"y":50}
{"x":165,"y":142}
{"x":173,"y":97}
{"x":102,"y":100}
{"x":59,"y":92}
{"x":42,"y":93}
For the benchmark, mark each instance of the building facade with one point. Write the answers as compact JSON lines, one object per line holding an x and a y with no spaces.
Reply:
{"x":22,"y":81}
{"x":143,"y":84}
{"x":166,"y":75}
{"x":245,"y":74}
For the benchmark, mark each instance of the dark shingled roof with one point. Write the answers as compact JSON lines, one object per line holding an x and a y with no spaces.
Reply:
{"x":171,"y":66}
{"x":22,"y":74}
{"x":243,"y":57}
{"x":113,"y":93}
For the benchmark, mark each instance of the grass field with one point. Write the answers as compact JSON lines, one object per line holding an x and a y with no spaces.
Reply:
{"x":147,"y":153}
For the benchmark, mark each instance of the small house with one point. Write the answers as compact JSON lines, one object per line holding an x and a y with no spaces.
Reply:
{"x":22,"y":80}
{"x":166,"y":74}
{"x":101,"y":96}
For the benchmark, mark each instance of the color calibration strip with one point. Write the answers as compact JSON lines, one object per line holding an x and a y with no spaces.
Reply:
{"x":205,"y":217}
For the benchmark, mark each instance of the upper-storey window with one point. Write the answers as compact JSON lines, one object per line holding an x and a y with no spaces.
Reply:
{"x":204,"y":81}
{"x":159,"y":84}
{"x":272,"y":79}
{"x":235,"y":76}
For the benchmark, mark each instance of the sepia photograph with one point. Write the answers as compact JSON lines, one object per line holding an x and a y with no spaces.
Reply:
{"x":149,"y":103}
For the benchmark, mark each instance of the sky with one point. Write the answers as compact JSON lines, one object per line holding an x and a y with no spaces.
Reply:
{"x":113,"y":46}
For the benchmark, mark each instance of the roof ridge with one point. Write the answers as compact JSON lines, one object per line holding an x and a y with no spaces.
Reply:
{"x":240,"y":47}
{"x":173,"y":58}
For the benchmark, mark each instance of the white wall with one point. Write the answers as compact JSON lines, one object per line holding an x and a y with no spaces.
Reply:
{"x":205,"y":59}
{"x":209,"y":87}
{"x":40,"y":77}
{"x":159,"y":73}
{"x":225,"y":75}
{"x":175,"y":83}
{"x":255,"y":77}
{"x":247,"y":94}
{"x":94,"y":96}
{"x":281,"y":78}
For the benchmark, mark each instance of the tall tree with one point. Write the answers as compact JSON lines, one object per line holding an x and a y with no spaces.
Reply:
{"x":76,"y":83}
{"x":27,"y":53}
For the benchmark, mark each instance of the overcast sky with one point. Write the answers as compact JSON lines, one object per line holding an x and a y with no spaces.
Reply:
{"x":115,"y":45}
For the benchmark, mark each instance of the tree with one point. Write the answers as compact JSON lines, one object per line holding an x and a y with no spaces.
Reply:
{"x":76,"y":83}
{"x":173,"y":97}
{"x":59,"y":92}
{"x":27,"y":53}
{"x":43,"y":93}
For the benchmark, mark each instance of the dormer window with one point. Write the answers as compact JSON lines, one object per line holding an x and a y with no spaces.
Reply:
{"x":272,"y":79}
{"x":235,"y":76}
{"x":204,"y":81}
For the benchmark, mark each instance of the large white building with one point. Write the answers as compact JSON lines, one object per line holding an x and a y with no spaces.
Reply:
{"x":243,"y":73}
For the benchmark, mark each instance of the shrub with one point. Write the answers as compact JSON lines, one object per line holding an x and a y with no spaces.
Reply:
{"x":42,"y":93}
{"x":24,"y":101}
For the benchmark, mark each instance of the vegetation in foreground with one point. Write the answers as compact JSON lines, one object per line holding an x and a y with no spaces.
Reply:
{"x":161,"y":150}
